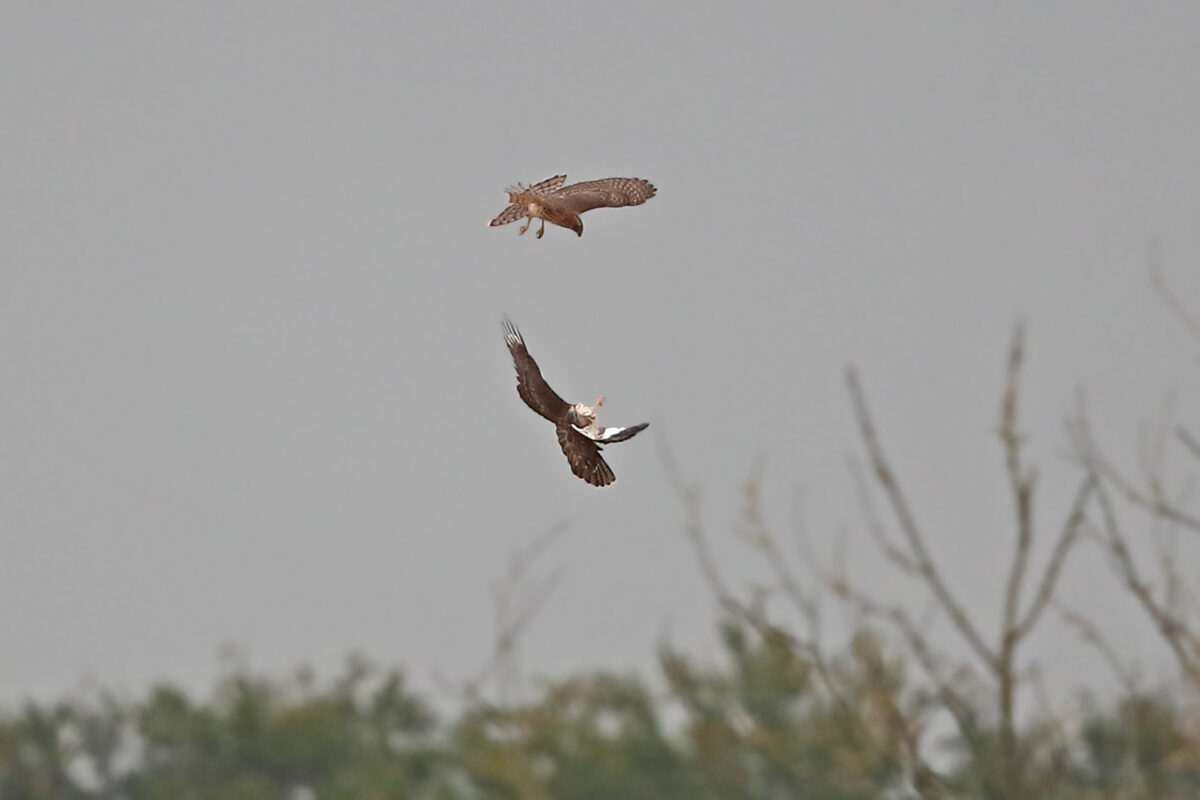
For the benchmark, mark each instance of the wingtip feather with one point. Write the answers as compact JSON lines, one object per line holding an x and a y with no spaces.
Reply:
{"x":512,"y":336}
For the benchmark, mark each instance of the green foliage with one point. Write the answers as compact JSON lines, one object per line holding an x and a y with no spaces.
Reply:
{"x":764,"y":728}
{"x":768,"y":721}
{"x":1143,"y":750}
{"x":364,"y":736}
{"x":588,"y":737}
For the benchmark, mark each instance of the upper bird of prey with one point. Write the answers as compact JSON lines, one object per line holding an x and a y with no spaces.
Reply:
{"x":578,"y":434}
{"x":561,"y":205}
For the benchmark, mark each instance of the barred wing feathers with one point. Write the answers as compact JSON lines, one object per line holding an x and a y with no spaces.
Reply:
{"x":511,"y":214}
{"x":604,"y":193}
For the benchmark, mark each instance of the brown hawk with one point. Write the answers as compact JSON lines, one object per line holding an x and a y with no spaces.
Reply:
{"x":561,"y":205}
{"x":578,"y":434}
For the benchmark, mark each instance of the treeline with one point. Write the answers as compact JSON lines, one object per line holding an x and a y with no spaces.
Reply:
{"x":760,"y":726}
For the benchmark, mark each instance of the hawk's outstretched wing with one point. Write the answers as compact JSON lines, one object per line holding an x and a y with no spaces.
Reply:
{"x":604,"y":193}
{"x":583,"y":455}
{"x":532,"y":387}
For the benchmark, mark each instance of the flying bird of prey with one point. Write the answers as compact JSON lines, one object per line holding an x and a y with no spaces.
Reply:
{"x":578,"y":434}
{"x":560,"y":205}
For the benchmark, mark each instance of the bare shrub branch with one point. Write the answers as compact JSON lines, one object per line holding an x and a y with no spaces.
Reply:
{"x":1152,"y":497}
{"x":1183,"y":642}
{"x":1066,"y":539}
{"x":914,"y":557}
{"x":1189,"y":317}
{"x":1092,"y":635}
{"x":757,"y":533}
{"x":908,"y":526}
{"x":517,"y":599}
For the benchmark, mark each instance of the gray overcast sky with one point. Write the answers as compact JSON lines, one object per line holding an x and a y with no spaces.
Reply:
{"x":252,"y":382}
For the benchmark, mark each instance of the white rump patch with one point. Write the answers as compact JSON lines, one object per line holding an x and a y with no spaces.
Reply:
{"x":590,"y":432}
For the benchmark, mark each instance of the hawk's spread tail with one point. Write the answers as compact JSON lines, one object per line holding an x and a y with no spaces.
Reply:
{"x":511,"y":214}
{"x":610,"y":435}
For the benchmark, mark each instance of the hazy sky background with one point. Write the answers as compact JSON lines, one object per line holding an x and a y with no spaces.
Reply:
{"x":252,"y":382}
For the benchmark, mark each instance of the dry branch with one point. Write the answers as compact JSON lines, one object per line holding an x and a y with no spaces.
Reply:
{"x":908,"y":526}
{"x":1183,"y":642}
{"x":1152,"y":498}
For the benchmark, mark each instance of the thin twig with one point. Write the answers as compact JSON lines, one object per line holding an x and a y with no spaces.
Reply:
{"x":954,"y":703}
{"x":516,"y":602}
{"x":1184,"y":644}
{"x":875,"y":525}
{"x":1067,"y":538}
{"x":1093,"y":459}
{"x":1190,"y":442}
{"x":1092,"y":635}
{"x":1020,"y":483}
{"x":811,"y":650}
{"x":1189,"y":318}
{"x":908,"y":526}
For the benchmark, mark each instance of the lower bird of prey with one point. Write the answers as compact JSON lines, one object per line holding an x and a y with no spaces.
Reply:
{"x":560,"y":205}
{"x":578,"y":434}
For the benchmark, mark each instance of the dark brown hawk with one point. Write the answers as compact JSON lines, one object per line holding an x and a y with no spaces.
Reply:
{"x":552,"y":202}
{"x":578,"y":434}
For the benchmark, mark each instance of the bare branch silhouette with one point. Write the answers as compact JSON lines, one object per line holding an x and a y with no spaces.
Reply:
{"x":1066,"y":539}
{"x":912,"y":533}
{"x":1183,"y":642}
{"x":875,"y":525}
{"x":1092,"y":635}
{"x":757,"y":534}
{"x":1189,"y":442}
{"x":1018,"y":619}
{"x":517,"y":598}
{"x":1189,"y":317}
{"x":1152,"y":497}
{"x":1020,"y":480}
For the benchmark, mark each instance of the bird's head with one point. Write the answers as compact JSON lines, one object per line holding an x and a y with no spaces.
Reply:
{"x":584,"y":415}
{"x":577,"y":226}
